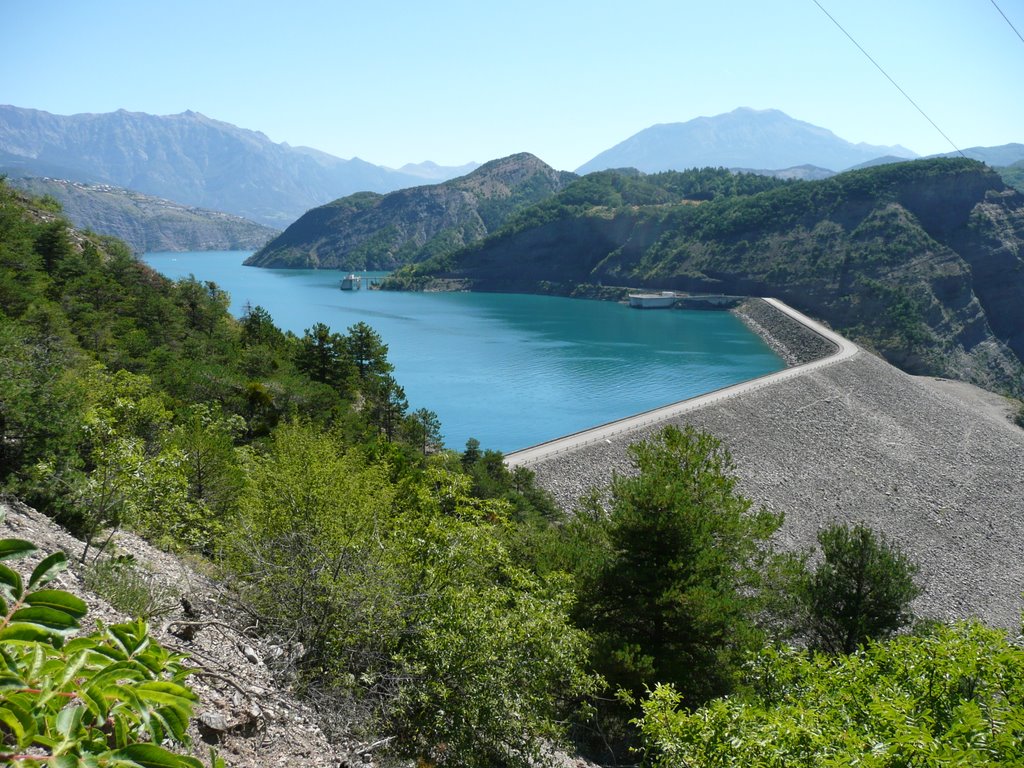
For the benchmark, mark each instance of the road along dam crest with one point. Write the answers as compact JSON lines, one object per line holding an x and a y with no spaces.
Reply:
{"x":835,"y":349}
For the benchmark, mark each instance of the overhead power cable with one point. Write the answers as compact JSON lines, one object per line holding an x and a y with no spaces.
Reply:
{"x":1008,"y":21}
{"x":897,"y":85}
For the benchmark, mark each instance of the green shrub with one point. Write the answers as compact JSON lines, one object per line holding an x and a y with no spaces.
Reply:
{"x":861,"y":591}
{"x":951,"y":696}
{"x":405,"y":595}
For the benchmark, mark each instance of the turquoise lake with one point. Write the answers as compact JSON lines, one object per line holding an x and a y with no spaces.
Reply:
{"x":511,"y":370}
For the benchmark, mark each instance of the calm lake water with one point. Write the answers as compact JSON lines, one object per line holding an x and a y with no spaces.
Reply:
{"x":511,"y":370}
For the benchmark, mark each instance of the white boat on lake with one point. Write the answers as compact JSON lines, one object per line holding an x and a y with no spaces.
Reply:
{"x":662,"y":300}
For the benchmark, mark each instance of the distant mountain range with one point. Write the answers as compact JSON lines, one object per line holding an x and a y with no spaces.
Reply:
{"x":148,"y":223}
{"x":1001,"y":156}
{"x":429,"y":171}
{"x":372,"y":231}
{"x":743,"y":138}
{"x":193,"y":160}
{"x":198,"y":162}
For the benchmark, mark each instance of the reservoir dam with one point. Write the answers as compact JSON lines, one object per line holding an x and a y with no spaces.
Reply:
{"x":842,"y":436}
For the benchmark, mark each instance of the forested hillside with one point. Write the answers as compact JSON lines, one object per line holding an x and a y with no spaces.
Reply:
{"x":921,"y":261}
{"x":371,"y":231}
{"x":293,"y":463}
{"x":1014,"y":175}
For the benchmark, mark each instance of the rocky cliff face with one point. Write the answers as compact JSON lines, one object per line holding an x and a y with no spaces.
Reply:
{"x":993,"y":246}
{"x":922,"y":262}
{"x":148,"y":223}
{"x":368,"y":231}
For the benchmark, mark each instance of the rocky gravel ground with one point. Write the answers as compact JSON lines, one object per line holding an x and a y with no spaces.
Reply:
{"x":792,"y":341}
{"x":860,"y":441}
{"x":246,"y":712}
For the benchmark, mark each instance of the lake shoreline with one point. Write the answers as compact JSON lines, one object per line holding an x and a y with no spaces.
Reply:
{"x":790,"y":340}
{"x":509,"y":370}
{"x":794,"y":343}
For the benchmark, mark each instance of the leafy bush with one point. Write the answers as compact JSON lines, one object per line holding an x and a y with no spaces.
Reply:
{"x":404,"y":594}
{"x":951,"y":696}
{"x":111,"y":697}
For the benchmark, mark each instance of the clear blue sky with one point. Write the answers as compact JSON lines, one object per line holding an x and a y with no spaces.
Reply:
{"x":397,"y":81}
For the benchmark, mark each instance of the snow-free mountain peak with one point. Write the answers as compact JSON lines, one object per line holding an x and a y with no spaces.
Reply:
{"x":743,"y":138}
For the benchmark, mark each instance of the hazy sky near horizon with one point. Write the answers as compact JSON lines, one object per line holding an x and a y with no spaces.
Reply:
{"x":453,"y":81}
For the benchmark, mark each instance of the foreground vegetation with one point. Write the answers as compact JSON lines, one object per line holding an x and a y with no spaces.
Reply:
{"x":946,"y":695}
{"x":439,"y":599}
{"x":110,"y":697}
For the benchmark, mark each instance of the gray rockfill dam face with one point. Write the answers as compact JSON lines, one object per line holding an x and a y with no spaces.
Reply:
{"x":858,"y":441}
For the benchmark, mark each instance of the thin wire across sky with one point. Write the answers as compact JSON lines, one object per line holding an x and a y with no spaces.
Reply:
{"x":1007,"y":20}
{"x":889,"y":78}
